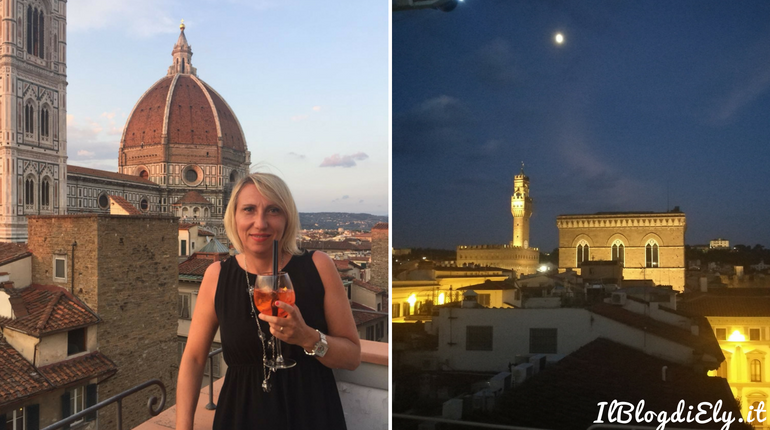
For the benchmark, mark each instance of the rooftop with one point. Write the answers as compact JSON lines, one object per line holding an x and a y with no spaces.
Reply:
{"x":491,"y":285}
{"x":49,"y":309}
{"x":103,"y":174}
{"x":10,"y":252}
{"x":371,"y":287}
{"x":192,"y":197}
{"x":18,"y":378}
{"x":125,"y":205}
{"x":363,"y":317}
{"x":603,"y":371}
{"x":703,"y":343}
{"x":79,"y":368}
{"x":727,"y":302}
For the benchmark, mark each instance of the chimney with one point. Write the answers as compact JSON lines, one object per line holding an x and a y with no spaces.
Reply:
{"x":470,"y":299}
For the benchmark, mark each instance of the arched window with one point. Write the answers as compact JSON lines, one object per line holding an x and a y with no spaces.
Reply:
{"x":756,"y":371}
{"x":583,"y":252}
{"x":41,"y":28}
{"x":651,"y":254}
{"x":29,"y":29}
{"x":29,"y":118}
{"x":758,"y":417}
{"x":45,"y":193}
{"x":35,"y":32}
{"x":44,"y":121}
{"x":29,"y":192}
{"x":619,"y":252}
{"x":182,"y":65}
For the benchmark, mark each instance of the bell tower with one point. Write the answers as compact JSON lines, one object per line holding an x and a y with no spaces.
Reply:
{"x":521,"y":209}
{"x":33,"y":113}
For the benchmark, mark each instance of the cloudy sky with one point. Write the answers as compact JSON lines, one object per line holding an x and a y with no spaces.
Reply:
{"x":645,"y":106}
{"x":307,"y":80}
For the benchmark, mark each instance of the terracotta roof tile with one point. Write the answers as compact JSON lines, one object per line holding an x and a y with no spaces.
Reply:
{"x":603,"y":371}
{"x":727,"y":302}
{"x":192,"y":197}
{"x":50,"y":309}
{"x":380,"y":226}
{"x":194,"y":266}
{"x":342,"y":265}
{"x":368,"y":286}
{"x":145,"y":125}
{"x":125,"y":205}
{"x":77,"y":170}
{"x":10,"y":252}
{"x":232,"y":137}
{"x":205,"y":233}
{"x":18,"y":378}
{"x":361,"y":316}
{"x":79,"y":368}
{"x":190,"y":117}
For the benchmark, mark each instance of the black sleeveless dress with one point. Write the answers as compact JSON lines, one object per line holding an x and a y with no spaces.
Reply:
{"x":303,"y":397}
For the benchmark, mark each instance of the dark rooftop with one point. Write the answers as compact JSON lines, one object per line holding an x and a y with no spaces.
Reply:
{"x":603,"y":371}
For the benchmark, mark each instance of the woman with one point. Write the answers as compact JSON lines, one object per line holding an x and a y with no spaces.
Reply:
{"x":262,"y":210}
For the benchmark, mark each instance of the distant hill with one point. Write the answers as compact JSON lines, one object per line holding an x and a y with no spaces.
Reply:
{"x":335,"y":220}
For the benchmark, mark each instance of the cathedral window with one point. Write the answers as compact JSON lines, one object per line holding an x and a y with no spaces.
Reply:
{"x":583,"y":252}
{"x":45,"y":193}
{"x":44,"y":122}
{"x":29,"y":118}
{"x":35,"y":32}
{"x":29,"y":191}
{"x":618,"y":252}
{"x":29,"y":29}
{"x":651,"y":254}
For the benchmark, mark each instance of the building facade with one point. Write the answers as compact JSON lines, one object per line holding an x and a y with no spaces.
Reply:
{"x":649,"y":245}
{"x":33,"y":113}
{"x":517,"y":254}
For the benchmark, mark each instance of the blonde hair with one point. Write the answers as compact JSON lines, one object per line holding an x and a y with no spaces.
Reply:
{"x":272,"y":188}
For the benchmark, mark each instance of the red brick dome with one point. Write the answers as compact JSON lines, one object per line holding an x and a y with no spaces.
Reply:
{"x":182,"y":109}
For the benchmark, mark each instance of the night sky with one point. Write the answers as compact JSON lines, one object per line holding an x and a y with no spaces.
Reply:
{"x":646,"y":105}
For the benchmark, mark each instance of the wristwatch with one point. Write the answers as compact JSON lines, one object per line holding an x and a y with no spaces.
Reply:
{"x":320,"y":348}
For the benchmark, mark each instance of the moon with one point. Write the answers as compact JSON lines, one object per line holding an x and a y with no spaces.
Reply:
{"x":559,"y":38}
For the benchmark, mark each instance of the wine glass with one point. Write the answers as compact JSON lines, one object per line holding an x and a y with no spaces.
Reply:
{"x":267,"y":289}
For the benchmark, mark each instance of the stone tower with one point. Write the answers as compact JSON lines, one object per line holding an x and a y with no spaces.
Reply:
{"x":33,"y":126}
{"x":521,"y":208}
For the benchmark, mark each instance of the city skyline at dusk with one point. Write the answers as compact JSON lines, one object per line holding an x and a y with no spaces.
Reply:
{"x":641,"y":107}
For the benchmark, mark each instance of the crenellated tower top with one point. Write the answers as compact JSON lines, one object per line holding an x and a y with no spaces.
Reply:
{"x":521,"y":209}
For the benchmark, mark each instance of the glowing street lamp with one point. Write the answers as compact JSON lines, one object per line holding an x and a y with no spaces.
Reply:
{"x":736,"y":336}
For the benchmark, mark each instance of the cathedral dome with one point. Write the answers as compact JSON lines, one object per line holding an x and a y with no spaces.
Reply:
{"x":181,"y":109}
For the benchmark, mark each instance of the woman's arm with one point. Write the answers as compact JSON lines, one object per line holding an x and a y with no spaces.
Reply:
{"x":202,"y":330}
{"x":344,"y":346}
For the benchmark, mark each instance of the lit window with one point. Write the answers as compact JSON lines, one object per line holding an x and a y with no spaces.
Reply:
{"x":618,"y":252}
{"x":583,"y":252}
{"x":756,"y":371}
{"x":651,"y":255}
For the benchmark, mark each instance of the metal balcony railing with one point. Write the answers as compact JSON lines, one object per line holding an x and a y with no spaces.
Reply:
{"x":151,"y":403}
{"x":211,"y":405}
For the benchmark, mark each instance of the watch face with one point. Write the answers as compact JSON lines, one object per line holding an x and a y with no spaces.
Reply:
{"x":321,"y":349}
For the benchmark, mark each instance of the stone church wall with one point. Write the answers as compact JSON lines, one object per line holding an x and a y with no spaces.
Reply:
{"x":126,"y":271}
